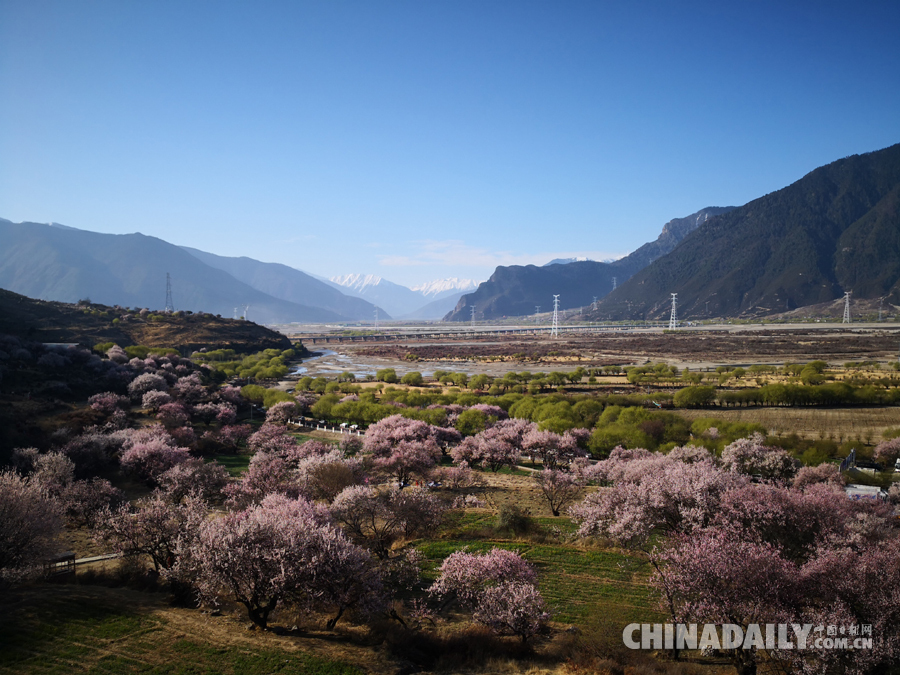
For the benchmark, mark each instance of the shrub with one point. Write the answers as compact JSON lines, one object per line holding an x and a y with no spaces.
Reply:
{"x":514,"y":520}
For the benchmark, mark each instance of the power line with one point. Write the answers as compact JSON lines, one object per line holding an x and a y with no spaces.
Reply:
{"x":847,"y":307}
{"x":673,"y":319}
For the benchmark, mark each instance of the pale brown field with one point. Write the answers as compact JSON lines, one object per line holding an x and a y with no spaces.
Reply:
{"x":838,"y":424}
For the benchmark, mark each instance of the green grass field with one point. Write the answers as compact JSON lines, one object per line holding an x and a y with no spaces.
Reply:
{"x":235,"y":464}
{"x":54,"y":629}
{"x":577,"y":584}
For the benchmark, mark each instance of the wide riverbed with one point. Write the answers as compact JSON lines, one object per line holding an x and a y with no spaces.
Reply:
{"x":329,"y":364}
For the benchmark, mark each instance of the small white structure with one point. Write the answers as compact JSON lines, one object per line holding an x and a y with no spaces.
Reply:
{"x":855,"y":491}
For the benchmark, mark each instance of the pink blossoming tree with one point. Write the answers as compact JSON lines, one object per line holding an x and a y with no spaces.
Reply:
{"x":498,"y":587}
{"x":155,"y":526}
{"x":30,"y":521}
{"x":282,"y":550}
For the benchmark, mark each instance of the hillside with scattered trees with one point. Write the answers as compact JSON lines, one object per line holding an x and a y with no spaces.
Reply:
{"x":89,"y":323}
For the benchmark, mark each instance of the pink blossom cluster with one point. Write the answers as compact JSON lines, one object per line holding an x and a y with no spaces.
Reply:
{"x":459,"y":477}
{"x":726,"y":550}
{"x":313,"y":469}
{"x":824,"y":473}
{"x":495,"y":447}
{"x":498,"y":587}
{"x":223,"y":412}
{"x":652,"y":492}
{"x":559,"y":488}
{"x":554,"y":450}
{"x":887,"y":452}
{"x":80,"y":500}
{"x":273,"y":439}
{"x":282,"y":550}
{"x":205,"y":479}
{"x":155,"y":526}
{"x":146,"y":382}
{"x":281,"y":413}
{"x":378,"y":518}
{"x":325,"y":475}
{"x":402,"y":447}
{"x":189,"y":388}
{"x":173,"y":414}
{"x":108,"y":402}
{"x":153,"y":400}
{"x":149,"y":452}
{"x":779,"y":555}
{"x":30,"y":521}
{"x":752,"y":456}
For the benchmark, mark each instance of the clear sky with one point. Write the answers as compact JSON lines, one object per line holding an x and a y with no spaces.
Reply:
{"x":426,"y":139}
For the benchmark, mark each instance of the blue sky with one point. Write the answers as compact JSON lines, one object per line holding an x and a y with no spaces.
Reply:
{"x":419,"y":140}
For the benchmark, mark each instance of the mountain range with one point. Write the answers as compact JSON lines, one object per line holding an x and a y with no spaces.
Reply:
{"x":518,"y":290}
{"x":835,"y":230}
{"x":286,"y":283}
{"x":49,"y":262}
{"x":426,"y":301}
{"x":59,"y":263}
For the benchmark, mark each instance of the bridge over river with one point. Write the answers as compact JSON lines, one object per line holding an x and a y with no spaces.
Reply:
{"x":444,"y":333}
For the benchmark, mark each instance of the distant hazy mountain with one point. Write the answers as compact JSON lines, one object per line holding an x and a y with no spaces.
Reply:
{"x":836,"y":229}
{"x":517,"y":290}
{"x":50,"y":262}
{"x":564,"y":261}
{"x":287,"y":283}
{"x":396,"y":299}
{"x":436,"y":309}
{"x":442,"y":288}
{"x":425,"y":301}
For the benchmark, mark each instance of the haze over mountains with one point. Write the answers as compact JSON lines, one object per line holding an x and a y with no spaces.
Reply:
{"x":836,"y":229}
{"x":425,"y":301}
{"x":60,"y":263}
{"x":287,"y":283}
{"x":49,"y":262}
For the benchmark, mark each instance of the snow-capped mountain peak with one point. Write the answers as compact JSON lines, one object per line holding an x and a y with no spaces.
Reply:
{"x":438,"y":286}
{"x":357,"y":281}
{"x":400,"y":301}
